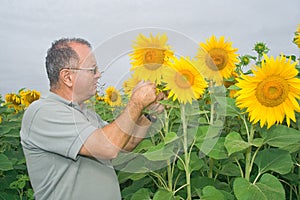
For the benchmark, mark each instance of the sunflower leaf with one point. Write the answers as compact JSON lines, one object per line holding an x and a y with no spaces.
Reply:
{"x":211,"y":193}
{"x":283,"y":137}
{"x":268,"y":187}
{"x":276,"y":160}
{"x":234,"y":143}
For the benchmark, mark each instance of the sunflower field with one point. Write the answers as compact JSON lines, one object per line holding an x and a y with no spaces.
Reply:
{"x":230,"y":129}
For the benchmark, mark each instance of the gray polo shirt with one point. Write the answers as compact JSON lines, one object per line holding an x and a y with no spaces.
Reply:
{"x":52,"y":133}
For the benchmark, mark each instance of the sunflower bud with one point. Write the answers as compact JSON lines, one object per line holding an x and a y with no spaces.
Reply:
{"x":261,"y":48}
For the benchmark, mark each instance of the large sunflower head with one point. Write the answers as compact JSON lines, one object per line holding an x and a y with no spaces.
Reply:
{"x":271,"y":93}
{"x":184,"y":81}
{"x":216,"y":59}
{"x":113,"y":97}
{"x":297,"y":36}
{"x":150,"y":57}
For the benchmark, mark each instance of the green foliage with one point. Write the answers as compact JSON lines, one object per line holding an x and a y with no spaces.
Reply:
{"x":205,"y":150}
{"x":14,"y":180}
{"x":212,"y":151}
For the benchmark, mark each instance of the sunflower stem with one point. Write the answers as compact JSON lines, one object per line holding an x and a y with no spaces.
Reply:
{"x":248,"y":166}
{"x":169,"y":168}
{"x":186,"y":152}
{"x":211,"y":165}
{"x":212,"y":105}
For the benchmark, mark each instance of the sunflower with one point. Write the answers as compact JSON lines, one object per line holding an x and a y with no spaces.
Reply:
{"x":297,"y":36}
{"x":271,"y":93}
{"x":216,"y":59}
{"x":113,"y":97}
{"x":13,"y":101}
{"x":184,"y":81}
{"x":99,"y":97}
{"x":150,"y":57}
{"x":29,"y":96}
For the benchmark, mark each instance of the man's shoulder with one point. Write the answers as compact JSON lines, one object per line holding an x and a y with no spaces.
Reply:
{"x":46,"y":103}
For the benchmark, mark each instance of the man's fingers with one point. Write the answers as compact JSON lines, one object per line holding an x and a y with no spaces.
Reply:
{"x":143,"y":83}
{"x":160,"y":96}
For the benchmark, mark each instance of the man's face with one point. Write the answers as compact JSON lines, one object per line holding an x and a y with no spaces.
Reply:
{"x":85,"y":82}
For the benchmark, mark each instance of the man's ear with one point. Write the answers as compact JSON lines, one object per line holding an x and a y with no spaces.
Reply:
{"x":66,"y":77}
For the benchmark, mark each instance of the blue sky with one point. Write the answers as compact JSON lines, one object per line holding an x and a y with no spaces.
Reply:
{"x":28,"y":27}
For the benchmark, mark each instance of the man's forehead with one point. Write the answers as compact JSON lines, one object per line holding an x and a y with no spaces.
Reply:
{"x":84,"y":52}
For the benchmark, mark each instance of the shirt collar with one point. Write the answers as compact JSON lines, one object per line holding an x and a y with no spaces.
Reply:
{"x":64,"y":101}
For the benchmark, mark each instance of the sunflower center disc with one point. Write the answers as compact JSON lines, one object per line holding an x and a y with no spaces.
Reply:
{"x":184,"y":79}
{"x":153,"y":58}
{"x":216,"y":59}
{"x":114,"y":97}
{"x":272,"y":91}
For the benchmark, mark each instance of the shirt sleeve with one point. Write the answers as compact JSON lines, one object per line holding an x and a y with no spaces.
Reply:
{"x":61,"y":130}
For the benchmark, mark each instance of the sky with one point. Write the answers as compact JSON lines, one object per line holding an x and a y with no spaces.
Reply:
{"x":29,"y":27}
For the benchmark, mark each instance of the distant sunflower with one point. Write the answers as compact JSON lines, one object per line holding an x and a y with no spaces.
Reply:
{"x":29,"y":96}
{"x":113,"y":97}
{"x":271,"y":93}
{"x":297,"y":36}
{"x":99,"y":97}
{"x":150,"y":57}
{"x":184,"y":81}
{"x":13,"y":101}
{"x":216,"y":59}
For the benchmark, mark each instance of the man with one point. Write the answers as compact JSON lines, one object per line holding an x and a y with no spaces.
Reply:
{"x":67,"y":147}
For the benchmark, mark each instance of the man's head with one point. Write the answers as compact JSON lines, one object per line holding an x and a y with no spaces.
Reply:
{"x":60,"y":56}
{"x":72,"y":68}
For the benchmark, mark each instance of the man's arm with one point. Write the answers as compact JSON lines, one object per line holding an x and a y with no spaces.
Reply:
{"x":106,"y":142}
{"x":139,"y":133}
{"x":144,"y":123}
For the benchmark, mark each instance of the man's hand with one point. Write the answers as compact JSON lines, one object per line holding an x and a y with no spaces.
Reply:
{"x":144,"y":94}
{"x":156,"y":107}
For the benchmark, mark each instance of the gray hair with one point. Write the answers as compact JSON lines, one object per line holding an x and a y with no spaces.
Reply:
{"x":60,"y":56}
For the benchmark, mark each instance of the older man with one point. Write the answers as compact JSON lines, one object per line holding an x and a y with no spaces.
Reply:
{"x":67,"y":147}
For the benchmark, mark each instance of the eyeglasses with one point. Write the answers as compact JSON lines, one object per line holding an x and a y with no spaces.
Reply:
{"x":91,"y":69}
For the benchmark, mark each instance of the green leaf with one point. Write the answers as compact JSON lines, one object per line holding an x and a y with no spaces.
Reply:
{"x":244,"y":190}
{"x":170,"y":137}
{"x":141,"y":194}
{"x":271,"y":187}
{"x":218,"y":151}
{"x":134,"y":187}
{"x":235,"y":143}
{"x":159,"y":152}
{"x":276,"y":160}
{"x":124,"y":176}
{"x":230,"y":169}
{"x":257,"y":142}
{"x":211,"y":193}
{"x":143,"y":145}
{"x":209,"y":142}
{"x":227,"y":105}
{"x":267,"y":188}
{"x":163,"y":195}
{"x":283,"y":137}
{"x":195,"y":162}
{"x":5,"y":163}
{"x":233,"y":87}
